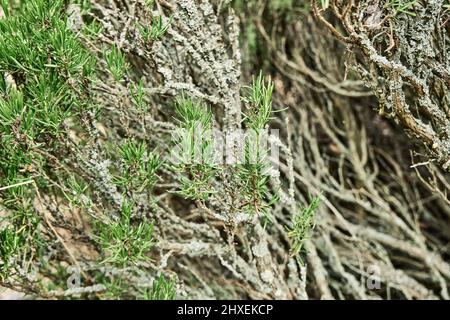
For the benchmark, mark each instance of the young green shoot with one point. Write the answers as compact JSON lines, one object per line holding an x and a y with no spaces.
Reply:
{"x":124,"y":241}
{"x":115,"y":60}
{"x":254,"y":171}
{"x":302,"y":225}
{"x":258,"y":102}
{"x":161,"y":289}
{"x":195,"y":149}
{"x":155,"y":31}
{"x":139,"y":166}
{"x":138,"y":96}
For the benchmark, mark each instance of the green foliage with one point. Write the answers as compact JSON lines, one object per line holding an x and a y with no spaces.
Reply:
{"x":92,"y":29}
{"x":280,"y":4}
{"x":11,"y":109}
{"x":196,"y":185}
{"x":302,"y":225}
{"x":138,"y":96}
{"x":194,"y":149}
{"x":403,"y":6}
{"x":155,"y":31}
{"x":258,"y":101}
{"x":123,"y":241}
{"x":19,"y":240}
{"x":77,"y":191}
{"x":162,"y":289}
{"x":10,"y":244}
{"x":254,"y":172}
{"x":197,"y":155}
{"x":116,"y":286}
{"x":49,"y":72}
{"x":191,"y":113}
{"x":115,"y":61}
{"x":46,"y":73}
{"x":47,"y":63}
{"x":13,"y":160}
{"x":139,"y":166}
